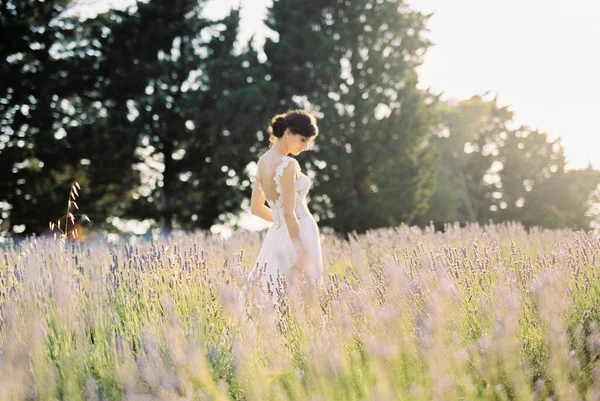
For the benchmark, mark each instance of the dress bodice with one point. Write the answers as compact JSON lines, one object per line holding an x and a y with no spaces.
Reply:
{"x":302,"y":186}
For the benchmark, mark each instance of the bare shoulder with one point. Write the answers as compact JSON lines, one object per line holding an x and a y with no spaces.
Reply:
{"x":294,"y":162}
{"x":262,"y":162}
{"x":293,"y":165}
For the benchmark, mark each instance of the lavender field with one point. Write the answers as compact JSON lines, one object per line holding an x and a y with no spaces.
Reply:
{"x":475,"y":313}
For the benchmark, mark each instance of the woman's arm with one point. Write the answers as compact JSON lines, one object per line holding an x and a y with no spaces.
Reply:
{"x":257,"y":204}
{"x":288,"y":199}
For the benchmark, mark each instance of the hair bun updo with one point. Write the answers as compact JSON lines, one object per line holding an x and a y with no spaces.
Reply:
{"x":278,"y":126}
{"x":299,"y":122}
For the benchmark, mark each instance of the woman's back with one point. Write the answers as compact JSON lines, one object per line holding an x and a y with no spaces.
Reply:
{"x":268,"y":164}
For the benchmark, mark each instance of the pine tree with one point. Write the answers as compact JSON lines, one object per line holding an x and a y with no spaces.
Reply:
{"x":354,"y":64}
{"x":185,"y":99}
{"x":44,"y":69}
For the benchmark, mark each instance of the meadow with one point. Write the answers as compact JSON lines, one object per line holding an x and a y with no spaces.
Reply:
{"x":491,"y":312}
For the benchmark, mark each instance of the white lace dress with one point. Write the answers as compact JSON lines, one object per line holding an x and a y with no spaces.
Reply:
{"x":277,"y":255}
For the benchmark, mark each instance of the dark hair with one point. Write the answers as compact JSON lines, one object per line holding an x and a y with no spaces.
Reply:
{"x":298,"y":121}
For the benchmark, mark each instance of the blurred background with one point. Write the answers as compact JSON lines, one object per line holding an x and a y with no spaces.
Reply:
{"x":431,"y":112}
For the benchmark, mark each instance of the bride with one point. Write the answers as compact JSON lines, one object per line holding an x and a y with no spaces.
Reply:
{"x":292,"y":247}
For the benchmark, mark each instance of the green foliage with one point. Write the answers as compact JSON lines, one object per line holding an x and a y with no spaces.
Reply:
{"x":354,"y":63}
{"x":39,"y":133}
{"x":156,"y":124}
{"x":491,"y":171}
{"x":563,"y":200}
{"x":178,"y":92}
{"x":466,"y":140}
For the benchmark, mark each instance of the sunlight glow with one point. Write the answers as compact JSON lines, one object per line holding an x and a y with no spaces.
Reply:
{"x":515,"y":49}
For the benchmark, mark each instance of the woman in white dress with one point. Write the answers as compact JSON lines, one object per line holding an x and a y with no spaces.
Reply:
{"x":292,"y":247}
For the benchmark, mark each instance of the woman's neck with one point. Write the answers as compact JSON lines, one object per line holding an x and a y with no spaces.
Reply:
{"x":280,"y":148}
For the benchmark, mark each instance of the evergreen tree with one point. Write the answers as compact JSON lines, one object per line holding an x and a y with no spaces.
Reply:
{"x":39,"y":80}
{"x":231,"y":113}
{"x":354,"y":64}
{"x":183,"y":96}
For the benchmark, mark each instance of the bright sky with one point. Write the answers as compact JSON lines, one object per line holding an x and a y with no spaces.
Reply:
{"x":539,"y":56}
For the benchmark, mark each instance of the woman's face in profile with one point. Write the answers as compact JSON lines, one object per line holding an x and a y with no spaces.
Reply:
{"x":298,"y":144}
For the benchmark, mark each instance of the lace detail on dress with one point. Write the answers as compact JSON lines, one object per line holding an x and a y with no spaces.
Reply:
{"x":277,"y":257}
{"x":300,"y":193}
{"x":279,"y":173}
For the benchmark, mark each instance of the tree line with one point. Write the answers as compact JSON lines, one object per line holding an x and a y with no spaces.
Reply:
{"x":158,"y":112}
